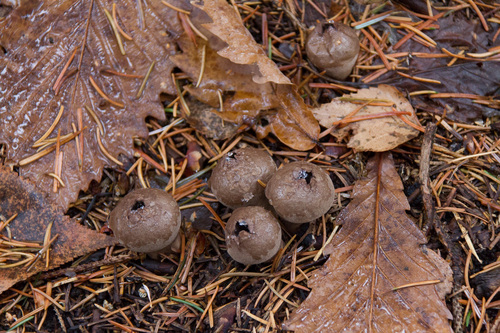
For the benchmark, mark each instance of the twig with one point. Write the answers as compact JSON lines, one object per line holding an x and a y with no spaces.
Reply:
{"x":423,"y":175}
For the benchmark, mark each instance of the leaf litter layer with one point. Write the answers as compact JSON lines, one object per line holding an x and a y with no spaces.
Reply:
{"x":374,"y":257}
{"x":34,"y":215}
{"x":261,"y":297}
{"x":64,"y":57}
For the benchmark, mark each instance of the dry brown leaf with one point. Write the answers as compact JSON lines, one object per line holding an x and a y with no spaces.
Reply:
{"x":241,"y":48}
{"x":39,"y":39}
{"x":35,"y":213}
{"x":206,"y":120}
{"x":244,"y":100}
{"x":219,"y":74}
{"x":379,"y":248}
{"x":380,"y":134}
{"x":294,"y":124}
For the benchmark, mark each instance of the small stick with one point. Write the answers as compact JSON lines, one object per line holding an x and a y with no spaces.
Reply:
{"x":148,"y":159}
{"x":115,"y":31}
{"x":265,"y":31}
{"x":421,"y":26}
{"x":425,"y":157}
{"x":56,"y":85}
{"x":419,"y":32}
{"x":217,"y":218}
{"x":196,"y":31}
{"x":416,"y":78}
{"x":79,"y":118}
{"x":56,"y":177}
{"x":378,"y":49}
{"x":146,"y":77}
{"x":42,"y":153}
{"x":47,"y":142}
{"x":203,"y":60}
{"x":479,"y":14}
{"x":371,"y":116}
{"x":56,"y":160}
{"x":133,"y":76}
{"x":125,"y":35}
{"x":416,"y":284}
{"x":105,"y":152}
{"x":51,"y":128}
{"x":103,"y":95}
{"x":47,"y":242}
{"x":96,"y":119}
{"x":175,"y":8}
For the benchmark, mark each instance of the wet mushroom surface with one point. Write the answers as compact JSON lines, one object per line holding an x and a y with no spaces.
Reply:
{"x":300,"y":192}
{"x":253,"y":235}
{"x":146,"y":220}
{"x":334,"y":48}
{"x":234,"y":180}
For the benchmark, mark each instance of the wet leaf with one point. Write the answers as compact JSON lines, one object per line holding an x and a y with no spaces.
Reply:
{"x":207,"y":120}
{"x":457,"y":33}
{"x":40,"y":39}
{"x":243,"y":100}
{"x":35,"y":213}
{"x":381,"y":134}
{"x":241,"y":48}
{"x":378,"y":249}
{"x":294,"y":124}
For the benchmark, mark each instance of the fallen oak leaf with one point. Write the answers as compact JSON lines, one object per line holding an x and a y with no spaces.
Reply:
{"x":243,"y":100}
{"x":65,"y":57}
{"x":378,"y":277}
{"x":34,"y":215}
{"x":388,"y":117}
{"x":294,"y":123}
{"x":240,"y":46}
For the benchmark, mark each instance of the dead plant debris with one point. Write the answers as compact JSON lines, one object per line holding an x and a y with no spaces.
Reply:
{"x":442,"y":56}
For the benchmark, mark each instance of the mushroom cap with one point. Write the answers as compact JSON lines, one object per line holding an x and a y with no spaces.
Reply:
{"x":146,"y":220}
{"x":253,"y":235}
{"x":334,"y":49}
{"x":300,"y":192}
{"x":234,"y":179}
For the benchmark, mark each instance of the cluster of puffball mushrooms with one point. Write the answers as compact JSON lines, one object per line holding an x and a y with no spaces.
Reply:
{"x":245,"y":180}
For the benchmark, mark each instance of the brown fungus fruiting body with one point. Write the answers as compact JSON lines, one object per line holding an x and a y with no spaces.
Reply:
{"x":234,"y":181}
{"x":300,"y":192}
{"x":146,"y":220}
{"x":334,"y":48}
{"x":253,"y":235}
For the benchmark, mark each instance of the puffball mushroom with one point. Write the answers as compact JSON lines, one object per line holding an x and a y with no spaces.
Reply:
{"x":334,"y":48}
{"x":253,"y":235}
{"x":300,"y":192}
{"x":146,"y":220}
{"x":234,"y":180}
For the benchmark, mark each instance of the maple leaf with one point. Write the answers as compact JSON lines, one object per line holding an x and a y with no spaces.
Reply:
{"x":377,"y":250}
{"x":58,"y":54}
{"x":376,"y":134}
{"x":34,"y":214}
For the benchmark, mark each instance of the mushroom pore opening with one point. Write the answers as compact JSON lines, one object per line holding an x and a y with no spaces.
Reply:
{"x":241,"y":226}
{"x":138,"y":205}
{"x":231,"y":156}
{"x":307,"y":175}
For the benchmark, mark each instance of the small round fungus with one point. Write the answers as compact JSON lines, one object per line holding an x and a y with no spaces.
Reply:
{"x":253,"y":235}
{"x":300,"y":192}
{"x":235,"y":179}
{"x":146,"y":220}
{"x":334,"y":48}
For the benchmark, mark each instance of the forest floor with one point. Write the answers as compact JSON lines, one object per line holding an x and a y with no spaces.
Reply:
{"x":202,"y":288}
